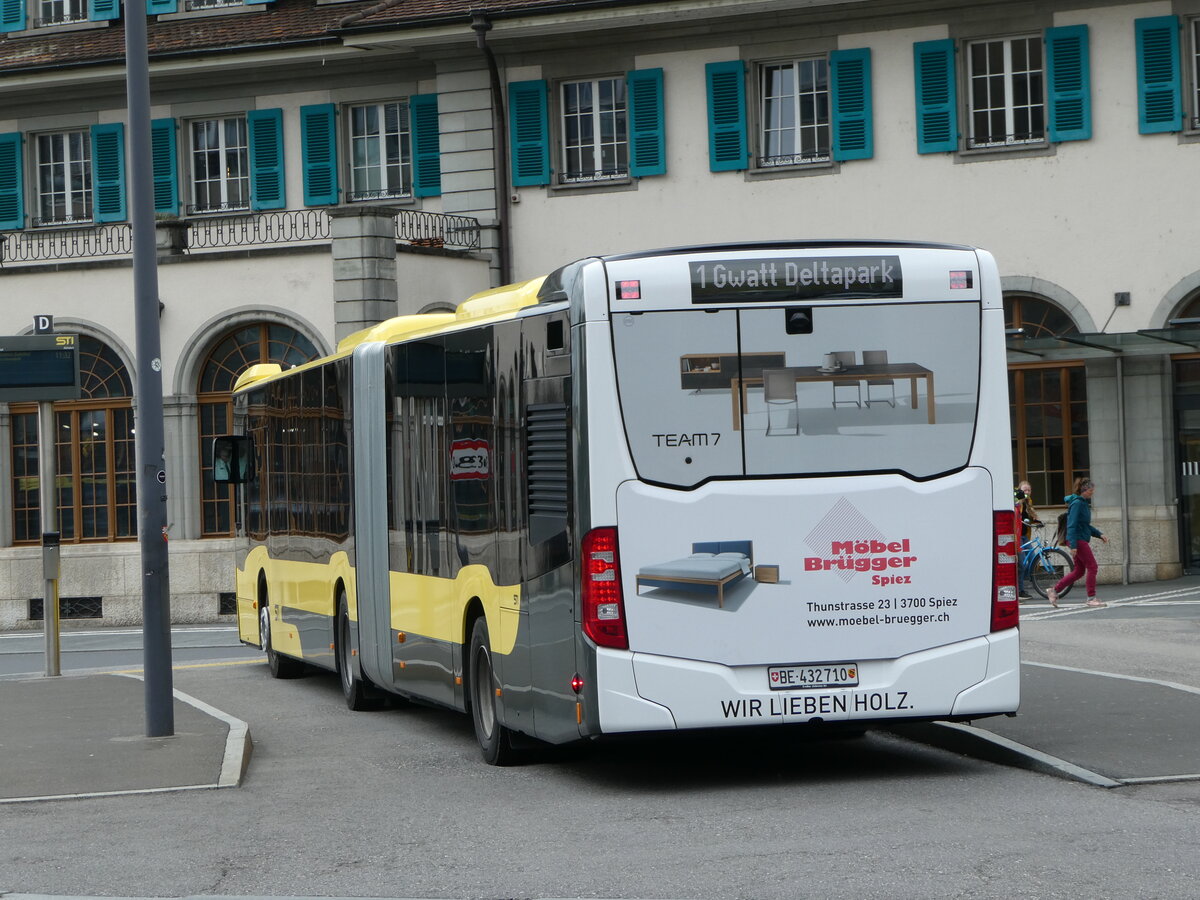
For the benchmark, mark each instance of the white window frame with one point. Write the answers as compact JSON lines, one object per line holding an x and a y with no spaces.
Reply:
{"x":583,"y":153}
{"x":793,"y":119}
{"x":1007,"y":80}
{"x":70,"y":173}
{"x":226,"y":179}
{"x":384,"y":179}
{"x":60,"y":12}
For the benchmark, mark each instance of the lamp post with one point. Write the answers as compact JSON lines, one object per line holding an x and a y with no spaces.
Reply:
{"x":149,"y":443}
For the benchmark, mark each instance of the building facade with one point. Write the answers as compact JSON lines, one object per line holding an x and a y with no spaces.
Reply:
{"x":321,"y":165}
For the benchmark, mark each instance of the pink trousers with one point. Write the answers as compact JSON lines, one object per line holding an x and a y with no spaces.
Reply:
{"x":1085,"y":561}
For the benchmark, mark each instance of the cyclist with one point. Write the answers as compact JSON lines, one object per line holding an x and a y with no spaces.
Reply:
{"x":1028,"y":517}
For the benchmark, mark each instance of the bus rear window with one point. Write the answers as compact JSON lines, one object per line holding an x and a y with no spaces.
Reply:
{"x":798,"y":391}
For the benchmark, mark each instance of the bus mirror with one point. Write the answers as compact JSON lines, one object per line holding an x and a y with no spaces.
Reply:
{"x":232,"y":459}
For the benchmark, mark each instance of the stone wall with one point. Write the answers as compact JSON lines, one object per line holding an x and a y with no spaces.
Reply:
{"x":199,"y":572}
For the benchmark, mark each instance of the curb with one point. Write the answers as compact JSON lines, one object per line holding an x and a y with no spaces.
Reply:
{"x":980,"y":744}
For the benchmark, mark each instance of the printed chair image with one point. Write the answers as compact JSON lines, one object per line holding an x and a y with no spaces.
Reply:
{"x":878,"y":358}
{"x":845,"y":359}
{"x":779,"y":390}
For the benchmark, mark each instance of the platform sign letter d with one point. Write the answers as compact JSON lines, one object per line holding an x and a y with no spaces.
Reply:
{"x":43,"y":324}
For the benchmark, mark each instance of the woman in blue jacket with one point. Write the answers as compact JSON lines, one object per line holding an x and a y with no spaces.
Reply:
{"x":1079,"y":536}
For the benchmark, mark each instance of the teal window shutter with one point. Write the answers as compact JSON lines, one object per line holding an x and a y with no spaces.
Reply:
{"x":853,"y":136}
{"x":104,"y":10}
{"x":937,"y":96}
{"x":1068,"y":77}
{"x":108,"y":173}
{"x":647,"y":133}
{"x":318,"y":151}
{"x":1160,"y":103}
{"x":12,"y":15}
{"x":427,"y":145}
{"x":266,"y":158}
{"x":12,"y":183}
{"x":164,"y":160}
{"x":727,"y":148}
{"x":161,"y":7}
{"x":529,"y":130}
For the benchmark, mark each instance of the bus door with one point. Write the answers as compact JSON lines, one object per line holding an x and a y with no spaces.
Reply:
{"x":368,"y":441}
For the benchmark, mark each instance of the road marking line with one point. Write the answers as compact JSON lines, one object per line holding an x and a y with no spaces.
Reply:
{"x":211,"y":665}
{"x":119,"y":632}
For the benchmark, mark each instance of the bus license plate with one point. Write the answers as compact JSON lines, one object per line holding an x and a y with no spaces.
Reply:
{"x":830,"y":675}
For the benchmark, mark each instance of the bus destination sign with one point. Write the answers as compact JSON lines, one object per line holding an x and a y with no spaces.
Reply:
{"x":802,"y":278}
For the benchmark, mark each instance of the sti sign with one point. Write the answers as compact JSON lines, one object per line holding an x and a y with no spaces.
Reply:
{"x":39,"y":367}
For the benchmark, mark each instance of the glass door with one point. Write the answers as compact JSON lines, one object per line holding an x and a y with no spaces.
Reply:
{"x":1187,"y":420}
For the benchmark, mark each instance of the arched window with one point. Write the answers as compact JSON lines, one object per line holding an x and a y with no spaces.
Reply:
{"x":1048,"y":406}
{"x":232,"y":354}
{"x":97,"y":496}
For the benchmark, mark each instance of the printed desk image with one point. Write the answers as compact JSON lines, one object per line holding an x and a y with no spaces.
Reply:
{"x":848,"y":375}
{"x":711,"y":567}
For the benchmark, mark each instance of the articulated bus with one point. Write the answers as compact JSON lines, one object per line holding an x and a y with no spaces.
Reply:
{"x":694,"y":488}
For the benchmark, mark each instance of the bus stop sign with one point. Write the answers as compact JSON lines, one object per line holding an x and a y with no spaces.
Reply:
{"x":39,"y":367}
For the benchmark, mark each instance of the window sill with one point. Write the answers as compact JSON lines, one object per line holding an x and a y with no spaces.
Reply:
{"x":1006,"y":151}
{"x":405,"y":200}
{"x":797,"y":170}
{"x":65,"y":27}
{"x":597,"y":186}
{"x":187,"y":14}
{"x":63,"y":225}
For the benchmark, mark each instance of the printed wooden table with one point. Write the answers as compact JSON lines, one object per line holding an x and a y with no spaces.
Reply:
{"x":848,"y":375}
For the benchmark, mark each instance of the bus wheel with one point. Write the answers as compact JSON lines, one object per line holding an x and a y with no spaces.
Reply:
{"x":281,"y":666}
{"x":359,"y":693}
{"x":494,"y":739}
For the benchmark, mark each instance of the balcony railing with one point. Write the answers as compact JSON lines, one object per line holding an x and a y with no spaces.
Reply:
{"x":74,"y":242}
{"x":252,"y":229}
{"x":210,"y":233}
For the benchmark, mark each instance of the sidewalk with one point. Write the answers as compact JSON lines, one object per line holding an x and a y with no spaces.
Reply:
{"x":1090,"y":725}
{"x":76,"y":735}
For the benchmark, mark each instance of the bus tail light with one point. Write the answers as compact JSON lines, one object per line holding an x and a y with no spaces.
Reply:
{"x":1005,"y":612}
{"x":603,"y":606}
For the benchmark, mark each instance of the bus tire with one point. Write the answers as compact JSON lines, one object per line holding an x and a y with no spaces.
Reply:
{"x":281,"y":666}
{"x":494,"y":739}
{"x":1045,"y":575}
{"x":360,"y":694}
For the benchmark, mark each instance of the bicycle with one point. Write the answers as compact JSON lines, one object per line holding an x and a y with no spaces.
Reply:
{"x":1044,"y":566}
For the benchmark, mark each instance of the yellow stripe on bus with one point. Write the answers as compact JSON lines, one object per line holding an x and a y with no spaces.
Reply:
{"x":421,"y":605}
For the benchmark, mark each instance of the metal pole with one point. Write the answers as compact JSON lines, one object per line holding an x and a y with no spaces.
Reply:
{"x":1126,"y":543}
{"x":47,"y":480}
{"x":149,"y":445}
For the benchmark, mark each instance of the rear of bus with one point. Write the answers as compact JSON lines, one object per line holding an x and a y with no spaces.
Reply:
{"x":798,"y":502}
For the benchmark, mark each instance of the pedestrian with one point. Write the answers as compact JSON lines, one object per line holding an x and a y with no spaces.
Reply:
{"x":1079,"y":537}
{"x":1028,"y":518}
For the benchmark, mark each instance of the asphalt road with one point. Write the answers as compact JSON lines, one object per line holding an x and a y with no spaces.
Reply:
{"x":398,"y":804}
{"x":95,"y":649}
